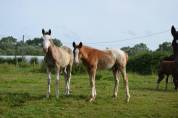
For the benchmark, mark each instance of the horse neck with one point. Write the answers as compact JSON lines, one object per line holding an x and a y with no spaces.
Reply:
{"x":86,"y":51}
{"x":51,"y":49}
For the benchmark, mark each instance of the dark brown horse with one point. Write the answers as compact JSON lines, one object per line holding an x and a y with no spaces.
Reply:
{"x":169,"y":65}
{"x":167,"y":68}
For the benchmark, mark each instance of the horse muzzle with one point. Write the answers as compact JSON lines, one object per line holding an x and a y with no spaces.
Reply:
{"x":76,"y":61}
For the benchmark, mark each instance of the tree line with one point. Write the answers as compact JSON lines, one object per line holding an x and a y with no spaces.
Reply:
{"x":145,"y":61}
{"x":141,"y":59}
{"x":11,"y":46}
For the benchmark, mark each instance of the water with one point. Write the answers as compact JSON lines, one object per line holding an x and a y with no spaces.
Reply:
{"x":27,"y":57}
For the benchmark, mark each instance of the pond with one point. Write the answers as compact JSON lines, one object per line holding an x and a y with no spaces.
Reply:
{"x":27,"y":57}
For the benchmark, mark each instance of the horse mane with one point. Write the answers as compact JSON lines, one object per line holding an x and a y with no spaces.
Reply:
{"x":51,"y":41}
{"x":91,"y":48}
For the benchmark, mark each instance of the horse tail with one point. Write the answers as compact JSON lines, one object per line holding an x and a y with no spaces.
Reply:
{"x":127,"y":57}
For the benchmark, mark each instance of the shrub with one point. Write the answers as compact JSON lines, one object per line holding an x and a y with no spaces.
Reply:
{"x":145,"y":63}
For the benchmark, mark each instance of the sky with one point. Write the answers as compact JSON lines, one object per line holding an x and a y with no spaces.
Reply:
{"x":97,"y":23}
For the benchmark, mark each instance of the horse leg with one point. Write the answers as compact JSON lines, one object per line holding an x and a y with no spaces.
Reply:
{"x":116,"y":81}
{"x":68,"y":83}
{"x":166,"y":82}
{"x":69,"y":69}
{"x":160,"y":78}
{"x":49,"y":82}
{"x":67,"y":76}
{"x":57,"y":82}
{"x":92,"y":74}
{"x":175,"y":81}
{"x":124,"y":75}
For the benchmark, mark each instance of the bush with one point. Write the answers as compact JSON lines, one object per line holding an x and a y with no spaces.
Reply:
{"x":145,"y":63}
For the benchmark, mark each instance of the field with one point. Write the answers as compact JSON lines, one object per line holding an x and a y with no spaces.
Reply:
{"x":23,"y":94}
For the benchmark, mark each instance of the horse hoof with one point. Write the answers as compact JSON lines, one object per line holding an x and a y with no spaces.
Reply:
{"x":91,"y":99}
{"x":128,"y":99}
{"x":114,"y":96}
{"x":66,"y":94}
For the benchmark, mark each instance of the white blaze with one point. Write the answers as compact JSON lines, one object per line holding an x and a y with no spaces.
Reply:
{"x":46,"y":42}
{"x":76,"y":58}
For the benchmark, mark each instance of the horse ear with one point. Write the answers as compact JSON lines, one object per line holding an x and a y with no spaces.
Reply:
{"x":49,"y":32}
{"x":173,"y":30}
{"x":74,"y":45}
{"x":80,"y":44}
{"x":43,"y":31}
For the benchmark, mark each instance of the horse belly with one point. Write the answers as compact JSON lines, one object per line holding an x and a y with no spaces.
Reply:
{"x":105,"y":63}
{"x":65,"y":61}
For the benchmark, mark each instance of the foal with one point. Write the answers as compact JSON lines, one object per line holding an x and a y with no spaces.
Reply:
{"x":59,"y":57}
{"x":165,"y":64}
{"x":95,"y":59}
{"x":167,"y":68}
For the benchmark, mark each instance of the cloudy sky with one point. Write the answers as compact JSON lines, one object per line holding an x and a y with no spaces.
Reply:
{"x":98,"y":23}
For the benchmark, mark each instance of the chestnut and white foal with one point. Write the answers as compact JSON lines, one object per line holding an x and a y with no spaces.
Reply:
{"x":95,"y":59}
{"x":60,"y":58}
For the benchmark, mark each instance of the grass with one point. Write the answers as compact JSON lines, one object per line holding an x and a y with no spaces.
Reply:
{"x":23,"y":94}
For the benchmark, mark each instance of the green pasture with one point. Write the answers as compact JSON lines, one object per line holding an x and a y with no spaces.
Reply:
{"x":23,"y":94}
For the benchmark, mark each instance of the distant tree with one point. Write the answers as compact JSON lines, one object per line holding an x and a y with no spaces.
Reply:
{"x":10,"y":46}
{"x":8,"y":39}
{"x":57,"y":42}
{"x":38,"y":42}
{"x":165,"y":46}
{"x":7,"y":45}
{"x":138,"y":48}
{"x":127,"y":50}
{"x":35,"y":42}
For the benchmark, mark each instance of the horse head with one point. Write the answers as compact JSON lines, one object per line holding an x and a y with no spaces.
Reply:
{"x":77,"y":52}
{"x":47,"y":38}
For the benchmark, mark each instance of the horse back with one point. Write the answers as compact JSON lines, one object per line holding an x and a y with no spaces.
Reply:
{"x":168,"y":67}
{"x":66,"y":54}
{"x":120,"y":56}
